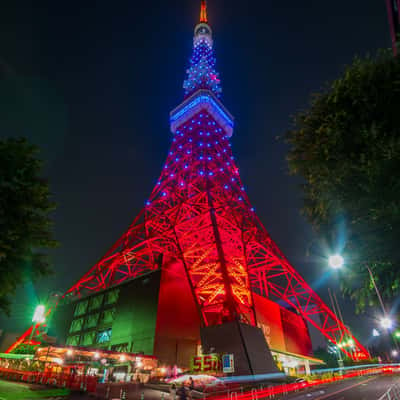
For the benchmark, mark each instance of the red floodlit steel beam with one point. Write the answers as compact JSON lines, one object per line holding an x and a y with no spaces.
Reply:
{"x":25,"y":338}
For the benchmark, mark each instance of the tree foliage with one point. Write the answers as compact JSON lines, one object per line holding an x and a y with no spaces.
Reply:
{"x":346,"y":148}
{"x":25,"y":226}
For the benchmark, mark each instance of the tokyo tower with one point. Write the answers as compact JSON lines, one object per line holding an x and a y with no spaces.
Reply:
{"x":200,"y":217}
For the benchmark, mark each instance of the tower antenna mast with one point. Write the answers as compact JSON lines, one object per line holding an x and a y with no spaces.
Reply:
{"x":203,"y":12}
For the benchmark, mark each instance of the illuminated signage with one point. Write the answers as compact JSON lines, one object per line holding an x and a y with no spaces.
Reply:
{"x":228,"y":365}
{"x":207,"y":363}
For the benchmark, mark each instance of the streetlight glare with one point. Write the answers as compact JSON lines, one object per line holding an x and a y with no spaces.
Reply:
{"x":38,"y":315}
{"x":375,"y":333}
{"x":395,"y":353}
{"x":386,"y":323}
{"x":336,"y":261}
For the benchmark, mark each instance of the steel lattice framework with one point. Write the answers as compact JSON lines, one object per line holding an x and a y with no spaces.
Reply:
{"x":199,"y":215}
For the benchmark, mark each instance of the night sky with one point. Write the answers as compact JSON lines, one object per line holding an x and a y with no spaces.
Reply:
{"x":92,"y":84}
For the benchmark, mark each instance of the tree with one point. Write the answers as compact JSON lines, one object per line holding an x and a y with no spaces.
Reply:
{"x":25,"y":226}
{"x":346,"y":148}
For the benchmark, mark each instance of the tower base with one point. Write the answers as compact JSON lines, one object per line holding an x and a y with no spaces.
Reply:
{"x":252,"y":355}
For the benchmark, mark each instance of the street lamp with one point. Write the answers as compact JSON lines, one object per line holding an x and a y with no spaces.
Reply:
{"x":386,"y":322}
{"x":37,"y":319}
{"x":336,"y":261}
{"x":38,"y":315}
{"x":395,"y":353}
{"x":375,"y":333}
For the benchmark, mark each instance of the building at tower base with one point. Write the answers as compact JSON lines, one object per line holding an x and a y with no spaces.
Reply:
{"x":155,"y":315}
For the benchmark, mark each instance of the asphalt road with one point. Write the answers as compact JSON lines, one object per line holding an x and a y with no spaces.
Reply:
{"x":365,"y":388}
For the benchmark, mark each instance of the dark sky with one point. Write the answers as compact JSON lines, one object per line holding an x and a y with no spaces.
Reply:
{"x":92,"y":83}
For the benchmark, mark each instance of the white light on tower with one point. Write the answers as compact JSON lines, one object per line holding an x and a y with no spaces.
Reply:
{"x":38,"y":315}
{"x":386,"y":323}
{"x":336,"y":261}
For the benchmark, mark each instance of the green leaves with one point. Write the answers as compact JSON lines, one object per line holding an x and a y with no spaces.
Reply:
{"x":25,"y":226}
{"x":346,"y":147}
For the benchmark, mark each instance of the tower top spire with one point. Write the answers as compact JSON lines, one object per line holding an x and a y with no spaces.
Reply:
{"x":203,"y":12}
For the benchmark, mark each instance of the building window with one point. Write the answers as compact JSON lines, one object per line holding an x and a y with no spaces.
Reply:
{"x":112,"y":296}
{"x":103,"y":336}
{"x":96,"y":302}
{"x":80,"y":308}
{"x":108,"y":316}
{"x":91,"y":321}
{"x":88,"y":338}
{"x":73,"y":340}
{"x":121,"y":347}
{"x":76,"y":325}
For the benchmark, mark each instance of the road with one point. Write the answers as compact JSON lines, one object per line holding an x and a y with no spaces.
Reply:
{"x":365,"y":388}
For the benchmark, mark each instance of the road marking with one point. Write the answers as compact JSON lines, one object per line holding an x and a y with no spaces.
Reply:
{"x":343,"y":390}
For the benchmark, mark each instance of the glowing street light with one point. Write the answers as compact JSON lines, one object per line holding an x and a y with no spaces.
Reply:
{"x":395,"y":353}
{"x":397,"y":335}
{"x":386,"y":323}
{"x":38,"y":315}
{"x":375,"y":333}
{"x":336,"y":261}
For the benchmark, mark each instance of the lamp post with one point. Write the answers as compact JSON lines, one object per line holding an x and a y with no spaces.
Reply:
{"x":336,"y":261}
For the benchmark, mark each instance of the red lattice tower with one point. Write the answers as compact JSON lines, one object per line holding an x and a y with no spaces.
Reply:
{"x":199,"y":215}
